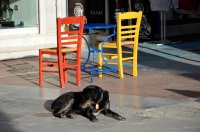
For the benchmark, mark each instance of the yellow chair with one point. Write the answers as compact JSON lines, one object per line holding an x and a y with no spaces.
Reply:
{"x":128,"y":26}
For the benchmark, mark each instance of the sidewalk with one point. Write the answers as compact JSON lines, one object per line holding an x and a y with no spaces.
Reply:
{"x":27,"y":109}
{"x":163,"y":98}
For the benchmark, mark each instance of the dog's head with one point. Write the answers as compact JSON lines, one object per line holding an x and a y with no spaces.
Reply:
{"x":92,"y":96}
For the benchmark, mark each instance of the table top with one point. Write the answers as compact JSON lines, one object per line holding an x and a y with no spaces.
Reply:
{"x":98,"y":26}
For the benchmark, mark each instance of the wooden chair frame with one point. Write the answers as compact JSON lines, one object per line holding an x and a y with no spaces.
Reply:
{"x":127,"y":35}
{"x":67,"y":41}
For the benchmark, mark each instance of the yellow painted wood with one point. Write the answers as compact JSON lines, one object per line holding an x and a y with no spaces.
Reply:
{"x":100,"y":63}
{"x":126,"y":35}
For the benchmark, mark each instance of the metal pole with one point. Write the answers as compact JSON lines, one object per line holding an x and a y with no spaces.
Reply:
{"x":164,"y":21}
{"x":161,"y":25}
{"x":129,"y":5}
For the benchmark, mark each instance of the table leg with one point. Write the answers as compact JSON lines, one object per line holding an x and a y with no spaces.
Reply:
{"x":88,"y":57}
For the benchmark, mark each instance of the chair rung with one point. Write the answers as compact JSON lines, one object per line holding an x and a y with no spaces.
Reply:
{"x":127,"y":52}
{"x":128,"y":36}
{"x":128,"y":32}
{"x":112,"y":45}
{"x":53,"y":71}
{"x":110,"y":57}
{"x":50,"y":65}
{"x":70,"y":66}
{"x":127,"y":42}
{"x":50,"y":61}
{"x":69,"y":37}
{"x":126,"y":27}
{"x":69,"y":49}
{"x":128,"y":58}
{"x":70,"y":42}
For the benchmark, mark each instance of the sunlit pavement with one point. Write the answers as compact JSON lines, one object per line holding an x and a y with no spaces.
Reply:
{"x":164,"y":96}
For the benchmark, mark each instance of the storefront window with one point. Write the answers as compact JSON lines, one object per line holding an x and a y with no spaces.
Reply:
{"x":18,"y":13}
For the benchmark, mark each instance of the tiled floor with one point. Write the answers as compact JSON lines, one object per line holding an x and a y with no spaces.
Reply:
{"x":161,"y":74}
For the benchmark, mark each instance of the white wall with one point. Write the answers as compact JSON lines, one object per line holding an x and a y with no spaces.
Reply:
{"x":50,"y":10}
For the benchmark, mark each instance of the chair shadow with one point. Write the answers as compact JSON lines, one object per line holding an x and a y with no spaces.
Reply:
{"x":194,"y":76}
{"x":188,"y":93}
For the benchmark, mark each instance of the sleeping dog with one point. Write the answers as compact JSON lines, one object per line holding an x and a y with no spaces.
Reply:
{"x":89,"y":102}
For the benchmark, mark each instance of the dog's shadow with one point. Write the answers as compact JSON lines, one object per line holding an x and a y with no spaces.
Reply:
{"x":47,"y":105}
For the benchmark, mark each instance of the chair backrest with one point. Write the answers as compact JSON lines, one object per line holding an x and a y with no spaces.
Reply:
{"x":128,"y":26}
{"x":70,"y":36}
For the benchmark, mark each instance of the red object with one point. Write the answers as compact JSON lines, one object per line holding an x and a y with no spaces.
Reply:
{"x":188,"y":5}
{"x":65,"y":40}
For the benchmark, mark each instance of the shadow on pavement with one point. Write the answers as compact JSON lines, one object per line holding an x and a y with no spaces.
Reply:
{"x":161,"y":63}
{"x":188,"y":93}
{"x":194,"y":76}
{"x":192,"y":46}
{"x":6,"y":124}
{"x":47,"y":105}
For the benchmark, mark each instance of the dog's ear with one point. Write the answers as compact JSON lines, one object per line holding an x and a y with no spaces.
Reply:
{"x":86,"y":92}
{"x":91,"y":89}
{"x":106,"y":94}
{"x":93,"y":92}
{"x":100,"y":95}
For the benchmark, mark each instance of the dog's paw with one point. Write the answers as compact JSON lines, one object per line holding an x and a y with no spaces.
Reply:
{"x":121,"y":118}
{"x":59,"y":115}
{"x":71,"y":116}
{"x":94,"y":119}
{"x":62,"y":115}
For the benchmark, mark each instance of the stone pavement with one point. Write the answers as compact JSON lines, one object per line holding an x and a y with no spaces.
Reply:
{"x":163,"y":98}
{"x":27,"y":109}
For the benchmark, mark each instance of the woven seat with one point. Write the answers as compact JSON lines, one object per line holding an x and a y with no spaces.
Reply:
{"x":114,"y":45}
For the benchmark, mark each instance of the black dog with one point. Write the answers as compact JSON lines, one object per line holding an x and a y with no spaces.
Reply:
{"x":90,"y":102}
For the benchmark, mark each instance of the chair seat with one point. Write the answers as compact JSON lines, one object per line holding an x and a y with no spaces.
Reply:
{"x":64,"y":49}
{"x":113,"y":44}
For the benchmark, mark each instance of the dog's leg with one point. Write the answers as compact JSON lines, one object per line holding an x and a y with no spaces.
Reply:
{"x":70,"y":114}
{"x":110,"y":113}
{"x":89,"y":114}
{"x":61,"y":111}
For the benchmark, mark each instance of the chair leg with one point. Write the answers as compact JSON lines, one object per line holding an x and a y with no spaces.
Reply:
{"x":78,"y":75}
{"x":61,"y":71}
{"x":135,"y":71}
{"x":40,"y":69}
{"x":100,"y":63}
{"x":120,"y":63}
{"x":135,"y":55}
{"x":78,"y":68}
{"x":65,"y":70}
